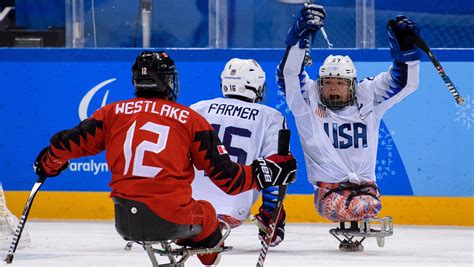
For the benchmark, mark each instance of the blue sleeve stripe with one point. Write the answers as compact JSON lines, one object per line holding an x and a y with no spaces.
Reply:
{"x":301,"y":76}
{"x":280,"y":81}
{"x":279,"y":72}
{"x":399,"y":73}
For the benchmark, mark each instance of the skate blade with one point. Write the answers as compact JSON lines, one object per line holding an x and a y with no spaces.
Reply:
{"x":366,"y":228}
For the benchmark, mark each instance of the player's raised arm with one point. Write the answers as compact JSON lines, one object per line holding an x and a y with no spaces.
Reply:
{"x":291,"y":76}
{"x":403,"y":76}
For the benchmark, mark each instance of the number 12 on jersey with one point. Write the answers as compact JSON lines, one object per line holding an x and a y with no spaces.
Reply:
{"x":138,"y":169}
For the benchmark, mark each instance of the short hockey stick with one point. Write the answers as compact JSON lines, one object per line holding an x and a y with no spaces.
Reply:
{"x":283,"y":148}
{"x":21,"y":224}
{"x":323,"y":31}
{"x":308,"y":60}
{"x":325,"y":36}
{"x":307,"y":56}
{"x":423,"y":46}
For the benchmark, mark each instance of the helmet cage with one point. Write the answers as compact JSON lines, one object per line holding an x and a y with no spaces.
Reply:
{"x":337,"y":104}
{"x":340,"y":67}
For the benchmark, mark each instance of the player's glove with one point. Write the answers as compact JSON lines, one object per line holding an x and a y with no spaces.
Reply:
{"x":46,"y":165}
{"x":274,"y":170}
{"x":402,"y":33}
{"x":264,"y":219}
{"x":311,"y":19}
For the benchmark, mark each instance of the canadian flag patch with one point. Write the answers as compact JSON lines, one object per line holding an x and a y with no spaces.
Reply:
{"x":221,"y":149}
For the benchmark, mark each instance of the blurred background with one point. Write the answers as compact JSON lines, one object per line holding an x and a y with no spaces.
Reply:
{"x":222,"y":23}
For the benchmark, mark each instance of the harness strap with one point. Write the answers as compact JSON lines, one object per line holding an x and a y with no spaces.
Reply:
{"x":356,"y":190}
{"x":359,"y":193}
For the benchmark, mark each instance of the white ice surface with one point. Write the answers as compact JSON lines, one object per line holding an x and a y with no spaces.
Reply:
{"x":97,"y":244}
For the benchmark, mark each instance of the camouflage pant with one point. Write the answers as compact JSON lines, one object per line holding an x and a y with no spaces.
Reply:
{"x":342,"y":202}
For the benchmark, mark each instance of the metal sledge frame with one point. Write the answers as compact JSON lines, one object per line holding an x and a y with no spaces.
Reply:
{"x":362,"y":229}
{"x":178,"y":256}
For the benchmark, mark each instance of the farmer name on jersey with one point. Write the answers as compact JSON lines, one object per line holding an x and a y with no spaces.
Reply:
{"x":152,"y":107}
{"x":347,"y":134}
{"x":233,"y":111}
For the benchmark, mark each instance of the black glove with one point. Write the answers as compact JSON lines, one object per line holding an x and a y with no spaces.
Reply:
{"x":311,"y":19}
{"x":274,"y":170}
{"x":47,"y":166}
{"x":402,"y":34}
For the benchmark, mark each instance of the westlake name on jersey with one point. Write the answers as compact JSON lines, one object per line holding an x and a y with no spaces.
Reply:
{"x":248,"y":131}
{"x":152,"y":147}
{"x":341,"y":145}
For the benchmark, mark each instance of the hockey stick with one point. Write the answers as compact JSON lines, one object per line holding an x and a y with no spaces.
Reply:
{"x":283,"y":148}
{"x":423,"y":46}
{"x":323,"y":31}
{"x":307,"y":59}
{"x":307,"y":56}
{"x":21,"y":224}
{"x":325,"y":36}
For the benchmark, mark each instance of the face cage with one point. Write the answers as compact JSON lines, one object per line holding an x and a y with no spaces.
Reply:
{"x":168,"y":82}
{"x":175,"y":90}
{"x":337,"y":104}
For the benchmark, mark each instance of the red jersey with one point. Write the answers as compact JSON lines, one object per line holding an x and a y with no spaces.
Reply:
{"x":151,"y":146}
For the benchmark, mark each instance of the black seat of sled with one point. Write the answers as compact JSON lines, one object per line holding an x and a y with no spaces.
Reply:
{"x":134,"y":221}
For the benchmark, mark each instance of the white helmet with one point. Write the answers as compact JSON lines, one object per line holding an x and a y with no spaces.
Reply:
{"x":243,"y":78}
{"x":338,"y":67}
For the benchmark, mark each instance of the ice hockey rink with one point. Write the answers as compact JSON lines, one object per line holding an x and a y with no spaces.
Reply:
{"x":97,"y":244}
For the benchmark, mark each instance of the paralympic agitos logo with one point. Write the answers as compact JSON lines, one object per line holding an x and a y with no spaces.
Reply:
{"x":86,"y":100}
{"x":90,"y":165}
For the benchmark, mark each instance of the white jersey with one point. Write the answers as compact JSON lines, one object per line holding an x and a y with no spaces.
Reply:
{"x":248,"y":131}
{"x":341,"y":145}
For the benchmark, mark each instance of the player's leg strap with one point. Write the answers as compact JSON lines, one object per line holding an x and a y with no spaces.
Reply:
{"x":362,"y":191}
{"x":354,"y":189}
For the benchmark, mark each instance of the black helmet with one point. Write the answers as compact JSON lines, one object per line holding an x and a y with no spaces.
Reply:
{"x":155,"y":75}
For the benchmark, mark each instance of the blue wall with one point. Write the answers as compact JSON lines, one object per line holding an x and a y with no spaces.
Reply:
{"x":426,"y":141}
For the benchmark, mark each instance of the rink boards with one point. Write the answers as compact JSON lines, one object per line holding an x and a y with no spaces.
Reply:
{"x":424,"y":166}
{"x":413,"y":210}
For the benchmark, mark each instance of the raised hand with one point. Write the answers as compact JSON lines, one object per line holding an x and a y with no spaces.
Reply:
{"x":402,"y":34}
{"x":310,"y":20}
